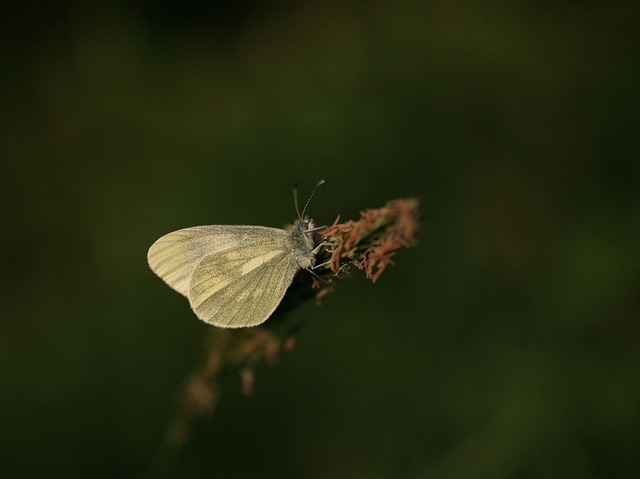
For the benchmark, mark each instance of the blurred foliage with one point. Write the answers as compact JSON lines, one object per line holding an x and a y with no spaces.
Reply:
{"x":505,"y":345}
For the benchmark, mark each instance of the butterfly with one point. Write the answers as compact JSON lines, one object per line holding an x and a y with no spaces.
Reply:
{"x":234,"y":276}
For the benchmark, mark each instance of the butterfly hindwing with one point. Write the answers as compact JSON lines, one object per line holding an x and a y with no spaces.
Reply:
{"x":242,"y":286}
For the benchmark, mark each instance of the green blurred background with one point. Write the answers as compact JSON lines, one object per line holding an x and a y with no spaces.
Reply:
{"x":505,"y":345}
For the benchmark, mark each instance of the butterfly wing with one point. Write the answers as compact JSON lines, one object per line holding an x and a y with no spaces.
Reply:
{"x":175,"y":255}
{"x":242,"y":286}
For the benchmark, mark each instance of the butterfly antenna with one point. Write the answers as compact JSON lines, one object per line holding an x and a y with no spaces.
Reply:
{"x":320,"y":183}
{"x":295,"y":199}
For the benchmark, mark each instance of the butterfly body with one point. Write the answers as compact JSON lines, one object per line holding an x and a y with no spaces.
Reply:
{"x":302,"y":243}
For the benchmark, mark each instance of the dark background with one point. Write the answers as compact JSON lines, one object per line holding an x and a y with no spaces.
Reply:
{"x":505,"y":345}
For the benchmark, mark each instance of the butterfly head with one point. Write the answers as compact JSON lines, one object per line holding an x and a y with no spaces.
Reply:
{"x":304,"y":224}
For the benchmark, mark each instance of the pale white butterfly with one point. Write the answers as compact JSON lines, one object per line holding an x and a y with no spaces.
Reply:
{"x":234,"y":276}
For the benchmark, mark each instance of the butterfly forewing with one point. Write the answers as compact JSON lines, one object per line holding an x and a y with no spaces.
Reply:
{"x":175,"y":255}
{"x":241,"y":287}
